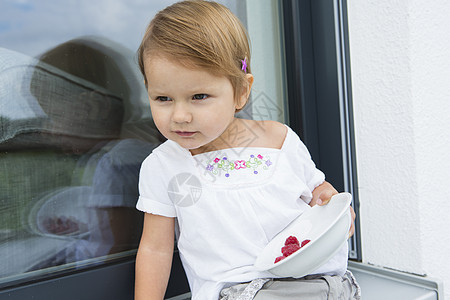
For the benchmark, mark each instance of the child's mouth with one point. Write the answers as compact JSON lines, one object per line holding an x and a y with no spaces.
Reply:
{"x":185,"y":133}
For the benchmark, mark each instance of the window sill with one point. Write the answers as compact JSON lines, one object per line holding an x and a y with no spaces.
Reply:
{"x":381,"y":283}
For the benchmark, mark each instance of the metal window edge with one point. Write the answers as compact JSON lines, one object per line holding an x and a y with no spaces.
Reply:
{"x":422,"y":281}
{"x":346,"y":117}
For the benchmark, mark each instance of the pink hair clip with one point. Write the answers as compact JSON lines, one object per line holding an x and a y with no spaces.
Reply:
{"x":244,"y":64}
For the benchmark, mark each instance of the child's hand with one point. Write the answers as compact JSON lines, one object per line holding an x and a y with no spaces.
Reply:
{"x":322,"y":195}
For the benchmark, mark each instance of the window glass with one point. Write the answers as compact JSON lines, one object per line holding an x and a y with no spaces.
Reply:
{"x":262,"y":18}
{"x":268,"y":99}
{"x":75,"y":125}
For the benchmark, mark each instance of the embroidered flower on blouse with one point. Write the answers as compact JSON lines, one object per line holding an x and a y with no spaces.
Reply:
{"x":240,"y":164}
{"x":255,"y":163}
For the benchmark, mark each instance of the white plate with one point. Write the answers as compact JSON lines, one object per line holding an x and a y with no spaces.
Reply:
{"x":326,"y":226}
{"x":65,"y":205}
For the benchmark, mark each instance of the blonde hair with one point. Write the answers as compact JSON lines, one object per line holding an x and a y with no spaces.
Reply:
{"x":200,"y":34}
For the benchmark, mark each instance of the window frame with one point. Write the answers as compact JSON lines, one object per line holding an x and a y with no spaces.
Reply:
{"x":319,"y":92}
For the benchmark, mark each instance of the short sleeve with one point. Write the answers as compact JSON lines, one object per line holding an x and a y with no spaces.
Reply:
{"x":313,"y":176}
{"x":153,"y":196}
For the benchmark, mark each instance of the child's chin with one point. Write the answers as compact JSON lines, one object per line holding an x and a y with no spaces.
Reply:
{"x":188,"y":145}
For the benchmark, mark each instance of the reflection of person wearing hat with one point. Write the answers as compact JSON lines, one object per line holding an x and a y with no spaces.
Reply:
{"x":88,"y":101}
{"x":113,"y":219}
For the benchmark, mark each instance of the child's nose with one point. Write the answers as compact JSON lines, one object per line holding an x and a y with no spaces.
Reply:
{"x":182,"y":113}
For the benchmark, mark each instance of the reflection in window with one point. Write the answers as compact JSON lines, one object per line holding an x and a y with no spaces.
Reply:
{"x":73,"y":135}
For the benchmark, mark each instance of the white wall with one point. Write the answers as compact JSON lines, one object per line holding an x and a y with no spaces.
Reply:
{"x":400,"y":62}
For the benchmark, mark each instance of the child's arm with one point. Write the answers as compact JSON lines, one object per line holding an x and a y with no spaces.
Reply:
{"x":154,"y":257}
{"x":322,"y":195}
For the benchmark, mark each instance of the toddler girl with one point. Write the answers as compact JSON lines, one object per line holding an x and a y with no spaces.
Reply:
{"x":228,"y":201}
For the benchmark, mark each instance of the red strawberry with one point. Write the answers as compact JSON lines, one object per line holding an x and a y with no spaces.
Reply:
{"x":279,"y":258}
{"x":304,"y":243}
{"x":289,"y":249}
{"x":291,"y":240}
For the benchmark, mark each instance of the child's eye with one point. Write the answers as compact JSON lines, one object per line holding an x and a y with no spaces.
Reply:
{"x":163,"y":98}
{"x":200,"y":96}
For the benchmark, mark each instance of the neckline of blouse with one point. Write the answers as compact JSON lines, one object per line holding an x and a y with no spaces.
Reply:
{"x":283,"y":146}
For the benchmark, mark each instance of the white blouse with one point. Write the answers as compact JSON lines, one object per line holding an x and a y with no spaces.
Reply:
{"x":229,"y":204}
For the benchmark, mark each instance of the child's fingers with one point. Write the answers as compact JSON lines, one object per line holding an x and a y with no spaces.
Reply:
{"x":325,"y":197}
{"x":352,"y":227}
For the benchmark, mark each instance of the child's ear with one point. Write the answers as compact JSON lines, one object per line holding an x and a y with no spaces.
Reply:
{"x":246,"y":89}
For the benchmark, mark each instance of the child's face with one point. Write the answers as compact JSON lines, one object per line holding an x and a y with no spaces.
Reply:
{"x":189,"y":106}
